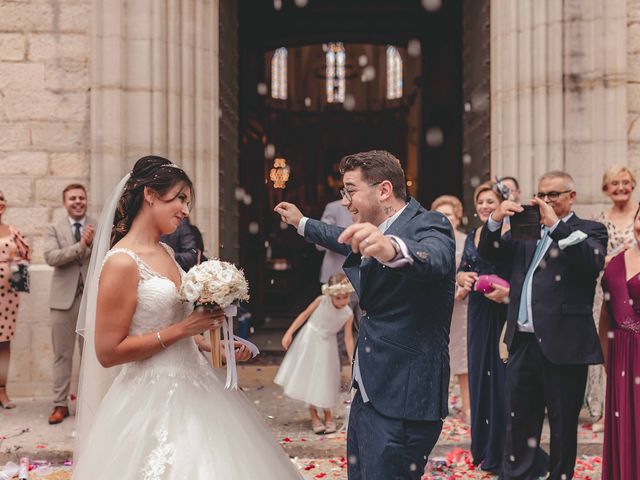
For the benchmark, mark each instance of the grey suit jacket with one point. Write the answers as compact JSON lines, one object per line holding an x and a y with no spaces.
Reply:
{"x":70,"y":262}
{"x":334,"y":214}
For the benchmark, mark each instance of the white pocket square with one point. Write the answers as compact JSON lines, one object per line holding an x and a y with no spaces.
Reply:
{"x":573,"y":239}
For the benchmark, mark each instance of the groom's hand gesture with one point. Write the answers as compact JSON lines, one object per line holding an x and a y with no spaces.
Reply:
{"x":289,"y":213}
{"x":368,"y":240}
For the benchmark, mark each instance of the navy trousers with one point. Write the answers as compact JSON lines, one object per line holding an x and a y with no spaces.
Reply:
{"x":383,"y":448}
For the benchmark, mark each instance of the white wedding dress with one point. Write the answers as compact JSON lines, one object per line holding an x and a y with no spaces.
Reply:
{"x":169,"y":417}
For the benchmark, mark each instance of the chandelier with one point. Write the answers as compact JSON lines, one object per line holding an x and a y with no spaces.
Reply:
{"x":279,"y":174}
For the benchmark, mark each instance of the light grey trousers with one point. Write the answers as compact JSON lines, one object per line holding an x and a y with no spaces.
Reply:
{"x":63,"y":337}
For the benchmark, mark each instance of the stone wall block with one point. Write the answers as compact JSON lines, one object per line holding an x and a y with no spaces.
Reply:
{"x":633,"y":157}
{"x":30,"y":220}
{"x":75,"y":17}
{"x":59,"y":212}
{"x":633,"y":122}
{"x":37,"y":256}
{"x":12,"y":46}
{"x":24,"y":163}
{"x":26,"y":16}
{"x":633,"y":65}
{"x":633,"y":37}
{"x":68,"y":76}
{"x":59,"y":136}
{"x":17,"y":190}
{"x":45,"y":106}
{"x":48,"y":191}
{"x":21,"y":77}
{"x":15,"y":136}
{"x":69,"y":164}
{"x":633,"y":11}
{"x":633,"y":97}
{"x":56,"y":47}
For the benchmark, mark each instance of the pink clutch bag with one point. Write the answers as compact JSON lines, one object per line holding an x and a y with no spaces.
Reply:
{"x":484,"y":283}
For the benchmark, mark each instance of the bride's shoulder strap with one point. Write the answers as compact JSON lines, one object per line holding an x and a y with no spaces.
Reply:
{"x":172,"y":253}
{"x":141,"y":266}
{"x":169,"y":249}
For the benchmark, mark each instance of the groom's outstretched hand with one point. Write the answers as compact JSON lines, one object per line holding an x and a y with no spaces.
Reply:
{"x":289,"y":213}
{"x":368,"y":240}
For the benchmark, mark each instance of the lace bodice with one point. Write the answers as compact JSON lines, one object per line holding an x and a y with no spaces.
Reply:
{"x":158,"y":302}
{"x":327,"y":320}
{"x":159,"y":306}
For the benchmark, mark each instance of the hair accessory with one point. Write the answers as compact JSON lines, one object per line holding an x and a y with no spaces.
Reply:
{"x":337,"y":288}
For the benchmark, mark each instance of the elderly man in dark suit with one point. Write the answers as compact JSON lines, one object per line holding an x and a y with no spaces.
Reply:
{"x":550,"y":331}
{"x":401,"y":262}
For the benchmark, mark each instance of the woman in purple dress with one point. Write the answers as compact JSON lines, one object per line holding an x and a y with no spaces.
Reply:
{"x":620,"y":339}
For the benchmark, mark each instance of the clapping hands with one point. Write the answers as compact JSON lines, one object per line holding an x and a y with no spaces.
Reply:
{"x":87,"y":236}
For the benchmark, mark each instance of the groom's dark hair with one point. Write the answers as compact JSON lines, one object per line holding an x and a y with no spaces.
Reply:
{"x":377,"y":166}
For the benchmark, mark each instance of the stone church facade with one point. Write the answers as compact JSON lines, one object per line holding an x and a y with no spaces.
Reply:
{"x":88,"y":86}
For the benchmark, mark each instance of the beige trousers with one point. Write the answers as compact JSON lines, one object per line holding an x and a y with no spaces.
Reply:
{"x":63,"y":337}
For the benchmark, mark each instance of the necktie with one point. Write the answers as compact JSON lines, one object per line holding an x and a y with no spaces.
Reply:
{"x":76,"y":232}
{"x":523,"y":311}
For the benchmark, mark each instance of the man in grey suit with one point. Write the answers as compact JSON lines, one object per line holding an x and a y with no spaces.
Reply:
{"x":67,"y":248}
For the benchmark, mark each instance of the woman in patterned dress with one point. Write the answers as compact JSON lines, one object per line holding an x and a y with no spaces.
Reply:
{"x":618,"y":183}
{"x":13,"y":248}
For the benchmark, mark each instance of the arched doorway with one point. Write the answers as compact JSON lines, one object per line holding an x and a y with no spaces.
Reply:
{"x":315,"y":120}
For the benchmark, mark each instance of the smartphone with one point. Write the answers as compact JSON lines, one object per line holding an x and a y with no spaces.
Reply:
{"x":525,"y":225}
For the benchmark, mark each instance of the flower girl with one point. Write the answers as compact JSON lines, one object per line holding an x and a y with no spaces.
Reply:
{"x":310,"y":371}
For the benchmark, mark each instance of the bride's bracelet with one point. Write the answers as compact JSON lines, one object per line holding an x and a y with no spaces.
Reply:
{"x":164,"y":347}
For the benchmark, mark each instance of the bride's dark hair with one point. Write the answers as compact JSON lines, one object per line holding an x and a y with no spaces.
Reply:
{"x":156,"y":173}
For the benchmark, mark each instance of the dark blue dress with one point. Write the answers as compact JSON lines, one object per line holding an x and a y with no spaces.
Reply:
{"x":486,"y":370}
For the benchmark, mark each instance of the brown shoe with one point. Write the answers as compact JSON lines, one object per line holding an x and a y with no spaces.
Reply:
{"x":58,"y":415}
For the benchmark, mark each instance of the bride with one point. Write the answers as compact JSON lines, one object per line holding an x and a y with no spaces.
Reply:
{"x":151,"y":407}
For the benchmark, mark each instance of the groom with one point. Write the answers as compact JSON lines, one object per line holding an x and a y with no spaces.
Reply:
{"x":401,"y":262}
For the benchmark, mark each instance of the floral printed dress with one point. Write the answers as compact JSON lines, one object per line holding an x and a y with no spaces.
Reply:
{"x":12,"y":248}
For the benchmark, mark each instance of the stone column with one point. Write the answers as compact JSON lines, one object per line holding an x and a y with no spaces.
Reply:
{"x":155,"y":91}
{"x":558,"y":91}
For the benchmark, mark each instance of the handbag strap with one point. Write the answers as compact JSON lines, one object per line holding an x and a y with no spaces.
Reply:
{"x":21,"y":243}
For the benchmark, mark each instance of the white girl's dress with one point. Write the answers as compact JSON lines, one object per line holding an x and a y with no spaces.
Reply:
{"x":310,"y":371}
{"x":169,"y":417}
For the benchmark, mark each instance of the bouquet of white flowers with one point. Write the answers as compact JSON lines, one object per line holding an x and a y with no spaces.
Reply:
{"x":216,"y":283}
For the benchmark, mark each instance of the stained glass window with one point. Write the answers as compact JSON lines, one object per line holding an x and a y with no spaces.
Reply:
{"x":335,"y":72}
{"x":394,"y":73}
{"x":279,"y":74}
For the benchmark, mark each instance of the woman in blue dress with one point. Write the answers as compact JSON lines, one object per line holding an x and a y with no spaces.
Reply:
{"x":486,"y":317}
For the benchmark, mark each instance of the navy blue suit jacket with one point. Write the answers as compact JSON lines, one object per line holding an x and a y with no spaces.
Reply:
{"x":403,"y":343}
{"x":562,"y":289}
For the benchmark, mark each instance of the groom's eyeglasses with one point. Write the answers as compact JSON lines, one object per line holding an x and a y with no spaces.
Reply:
{"x":346,"y":194}
{"x":553,"y":196}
